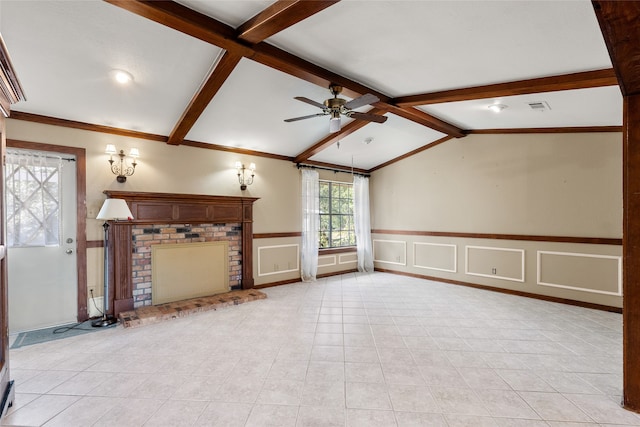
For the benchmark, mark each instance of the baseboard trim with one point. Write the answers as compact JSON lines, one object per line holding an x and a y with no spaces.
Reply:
{"x":279,"y":283}
{"x":507,"y":291}
{"x":290,"y":281}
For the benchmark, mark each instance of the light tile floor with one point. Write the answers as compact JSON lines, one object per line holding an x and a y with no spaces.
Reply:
{"x":352,"y":350}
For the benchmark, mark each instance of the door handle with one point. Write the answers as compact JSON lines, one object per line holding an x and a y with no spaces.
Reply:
{"x":68,"y":251}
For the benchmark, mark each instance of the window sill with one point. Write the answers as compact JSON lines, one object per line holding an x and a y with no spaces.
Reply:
{"x":329,"y":251}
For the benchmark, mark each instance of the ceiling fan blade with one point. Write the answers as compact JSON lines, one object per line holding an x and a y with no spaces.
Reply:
{"x":310,"y":102}
{"x":367,"y":117}
{"x":295,"y":119}
{"x":365,"y":99}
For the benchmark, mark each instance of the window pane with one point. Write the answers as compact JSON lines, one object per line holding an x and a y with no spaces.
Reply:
{"x":335,"y":222}
{"x":324,"y":205}
{"x":352,"y":239}
{"x":343,"y":191}
{"x":324,"y":240}
{"x":33,"y":194}
{"x":335,"y":206}
{"x":324,"y":189}
{"x":349,"y":192}
{"x":324,"y":223}
{"x":336,"y":219}
{"x":335,"y":190}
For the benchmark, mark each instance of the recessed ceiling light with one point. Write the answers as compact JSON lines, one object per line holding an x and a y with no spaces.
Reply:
{"x":496,"y":108}
{"x":121,"y":76}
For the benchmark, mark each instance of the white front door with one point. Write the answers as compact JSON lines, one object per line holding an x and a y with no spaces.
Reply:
{"x":41,"y":226}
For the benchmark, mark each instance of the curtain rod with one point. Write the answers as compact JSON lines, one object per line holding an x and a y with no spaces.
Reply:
{"x":334,"y":170}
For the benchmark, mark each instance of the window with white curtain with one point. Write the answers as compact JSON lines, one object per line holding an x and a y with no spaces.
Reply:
{"x":33,"y":191}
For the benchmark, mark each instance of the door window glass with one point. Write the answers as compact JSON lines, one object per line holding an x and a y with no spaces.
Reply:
{"x":33,"y":191}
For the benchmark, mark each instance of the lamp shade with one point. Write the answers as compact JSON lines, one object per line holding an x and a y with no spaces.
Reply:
{"x":114,"y":209}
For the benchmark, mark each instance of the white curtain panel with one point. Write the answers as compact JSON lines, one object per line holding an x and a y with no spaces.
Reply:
{"x":310,"y":224}
{"x":362,"y":218}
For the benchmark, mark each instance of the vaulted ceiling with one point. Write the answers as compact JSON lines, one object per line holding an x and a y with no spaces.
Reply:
{"x":224,"y":74}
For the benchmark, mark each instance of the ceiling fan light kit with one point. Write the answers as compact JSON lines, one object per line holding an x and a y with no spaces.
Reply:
{"x":337,"y":107}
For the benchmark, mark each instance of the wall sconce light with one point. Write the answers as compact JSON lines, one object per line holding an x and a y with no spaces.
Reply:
{"x":241,"y":175}
{"x":122,"y":170}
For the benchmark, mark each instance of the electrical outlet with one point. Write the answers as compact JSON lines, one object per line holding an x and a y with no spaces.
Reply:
{"x":494,"y":271}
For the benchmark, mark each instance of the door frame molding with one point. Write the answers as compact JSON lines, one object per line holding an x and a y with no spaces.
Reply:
{"x":81,"y":211}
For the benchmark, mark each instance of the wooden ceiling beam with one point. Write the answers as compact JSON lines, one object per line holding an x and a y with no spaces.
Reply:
{"x":583,"y":80}
{"x":411,"y":153}
{"x":275,"y":18}
{"x":334,"y":137}
{"x":187,"y":21}
{"x":205,"y":28}
{"x":278,"y":59}
{"x":619,"y":25}
{"x":423,"y":118}
{"x":203,"y":97}
{"x":279,"y":16}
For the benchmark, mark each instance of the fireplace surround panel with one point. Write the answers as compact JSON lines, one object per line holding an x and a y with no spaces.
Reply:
{"x":169,"y":209}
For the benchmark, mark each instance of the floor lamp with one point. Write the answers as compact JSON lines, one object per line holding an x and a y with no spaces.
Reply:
{"x":112,"y":209}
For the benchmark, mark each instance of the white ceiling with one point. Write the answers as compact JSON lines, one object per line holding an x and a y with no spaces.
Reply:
{"x":63,"y":52}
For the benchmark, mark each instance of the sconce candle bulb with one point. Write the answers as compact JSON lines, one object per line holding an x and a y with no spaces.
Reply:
{"x":121,"y":168}
{"x":242,"y":179}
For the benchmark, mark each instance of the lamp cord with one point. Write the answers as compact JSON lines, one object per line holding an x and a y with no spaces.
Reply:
{"x":64,"y":329}
{"x":93,"y":300}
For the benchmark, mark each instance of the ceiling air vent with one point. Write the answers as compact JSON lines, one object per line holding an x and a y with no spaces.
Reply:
{"x":539,"y":106}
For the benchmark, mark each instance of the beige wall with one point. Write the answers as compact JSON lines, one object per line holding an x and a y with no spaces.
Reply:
{"x":555,"y":184}
{"x":542,"y":184}
{"x":546,"y":184}
{"x":181,"y":169}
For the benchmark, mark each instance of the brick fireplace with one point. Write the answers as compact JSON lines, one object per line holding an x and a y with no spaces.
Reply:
{"x":175,"y":219}
{"x":144,"y":237}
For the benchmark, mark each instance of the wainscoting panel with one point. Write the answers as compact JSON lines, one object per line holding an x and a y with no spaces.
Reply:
{"x":435,"y":256}
{"x":601,"y":274}
{"x":278,"y":259}
{"x":508,"y":262}
{"x":497,"y":263}
{"x":348,"y":258}
{"x":326,"y":260}
{"x":390,"y":251}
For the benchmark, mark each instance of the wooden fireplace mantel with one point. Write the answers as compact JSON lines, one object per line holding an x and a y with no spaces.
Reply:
{"x":172,"y":208}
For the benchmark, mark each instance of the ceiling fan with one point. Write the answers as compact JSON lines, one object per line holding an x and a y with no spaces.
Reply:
{"x":335,"y":107}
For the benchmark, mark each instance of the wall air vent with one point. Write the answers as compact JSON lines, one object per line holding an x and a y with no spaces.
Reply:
{"x":539,"y":106}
